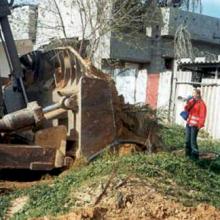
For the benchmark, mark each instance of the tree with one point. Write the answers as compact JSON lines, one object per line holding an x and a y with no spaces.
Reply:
{"x":127,"y":17}
{"x":99,"y":18}
{"x":183,"y":45}
{"x":91,"y":21}
{"x":193,"y":5}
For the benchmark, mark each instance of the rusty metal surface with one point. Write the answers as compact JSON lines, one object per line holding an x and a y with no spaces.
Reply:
{"x":51,"y":137}
{"x":24,"y":157}
{"x":55,"y":114}
{"x":30,"y":116}
{"x":96,"y":117}
{"x":68,"y":161}
{"x":54,"y":137}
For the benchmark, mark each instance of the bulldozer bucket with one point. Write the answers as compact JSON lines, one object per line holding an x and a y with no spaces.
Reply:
{"x":96,"y":121}
{"x":26,"y":157}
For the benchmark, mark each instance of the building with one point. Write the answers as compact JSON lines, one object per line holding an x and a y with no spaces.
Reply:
{"x":145,"y":70}
{"x":23,"y":24}
{"x":204,"y":74}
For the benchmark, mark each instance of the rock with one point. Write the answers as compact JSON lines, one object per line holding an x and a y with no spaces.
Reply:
{"x":119,"y":202}
{"x":16,"y":206}
{"x":129,"y":198}
{"x":143,"y":214}
{"x":87,"y":198}
{"x":120,"y":183}
{"x":128,"y":204}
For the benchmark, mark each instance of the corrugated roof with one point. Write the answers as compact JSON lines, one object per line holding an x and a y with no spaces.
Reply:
{"x":198,"y":60}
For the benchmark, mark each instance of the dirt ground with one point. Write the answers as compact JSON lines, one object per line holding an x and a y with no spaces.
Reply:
{"x":10,"y":185}
{"x":112,"y":197}
{"x":132,"y":199}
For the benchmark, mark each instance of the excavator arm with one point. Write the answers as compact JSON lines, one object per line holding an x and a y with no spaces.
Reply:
{"x":10,"y":48}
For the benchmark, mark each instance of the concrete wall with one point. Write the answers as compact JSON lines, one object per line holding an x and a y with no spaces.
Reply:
{"x":209,"y":51}
{"x":4,"y":68}
{"x":200,"y":49}
{"x":132,"y":84}
{"x":139,"y":86}
{"x":183,"y":90}
{"x":49,"y":24}
{"x":103,"y":50}
{"x":211,"y":96}
{"x":129,"y":49}
{"x":23,"y":21}
{"x":23,"y":46}
{"x":141,"y":49}
{"x":164,"y":90}
{"x":201,"y":27}
{"x":55,"y":24}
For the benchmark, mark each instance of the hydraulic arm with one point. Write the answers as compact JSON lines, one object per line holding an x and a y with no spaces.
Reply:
{"x":10,"y":48}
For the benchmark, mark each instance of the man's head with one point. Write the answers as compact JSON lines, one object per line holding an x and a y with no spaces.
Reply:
{"x":197,"y":93}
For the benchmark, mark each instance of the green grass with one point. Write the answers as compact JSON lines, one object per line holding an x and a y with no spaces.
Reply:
{"x":4,"y":204}
{"x":173,"y":137}
{"x":159,"y":169}
{"x":209,"y":145}
{"x":184,"y":180}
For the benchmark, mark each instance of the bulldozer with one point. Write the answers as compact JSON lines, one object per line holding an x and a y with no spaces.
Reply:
{"x":57,"y":112}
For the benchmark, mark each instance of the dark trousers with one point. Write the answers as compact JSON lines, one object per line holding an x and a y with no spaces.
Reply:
{"x":191,"y":141}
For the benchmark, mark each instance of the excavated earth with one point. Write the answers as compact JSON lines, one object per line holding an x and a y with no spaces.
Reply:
{"x":132,"y":198}
{"x":129,"y":198}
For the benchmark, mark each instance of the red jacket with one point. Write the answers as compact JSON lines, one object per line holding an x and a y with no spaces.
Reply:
{"x":197,"y":113}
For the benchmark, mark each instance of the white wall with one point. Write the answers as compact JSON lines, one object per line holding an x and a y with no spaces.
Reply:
{"x":141,"y":86}
{"x":49,"y":25}
{"x":182,"y":90}
{"x":23,"y":47}
{"x":4,"y":68}
{"x":22,"y":22}
{"x":164,"y":90}
{"x":211,"y":96}
{"x":103,"y":51}
{"x":132,"y":84}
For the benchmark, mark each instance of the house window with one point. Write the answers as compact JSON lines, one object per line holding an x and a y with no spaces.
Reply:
{"x":196,"y":77}
{"x":212,"y":74}
{"x":168,"y":62}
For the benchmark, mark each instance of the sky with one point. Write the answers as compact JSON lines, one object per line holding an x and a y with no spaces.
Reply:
{"x":211,"y":7}
{"x":25,"y":1}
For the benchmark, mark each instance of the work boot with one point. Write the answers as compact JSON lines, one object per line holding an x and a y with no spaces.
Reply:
{"x":195,"y":155}
{"x":187,"y":152}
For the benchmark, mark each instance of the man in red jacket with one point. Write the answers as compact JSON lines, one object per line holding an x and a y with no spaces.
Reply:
{"x":196,"y":120}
